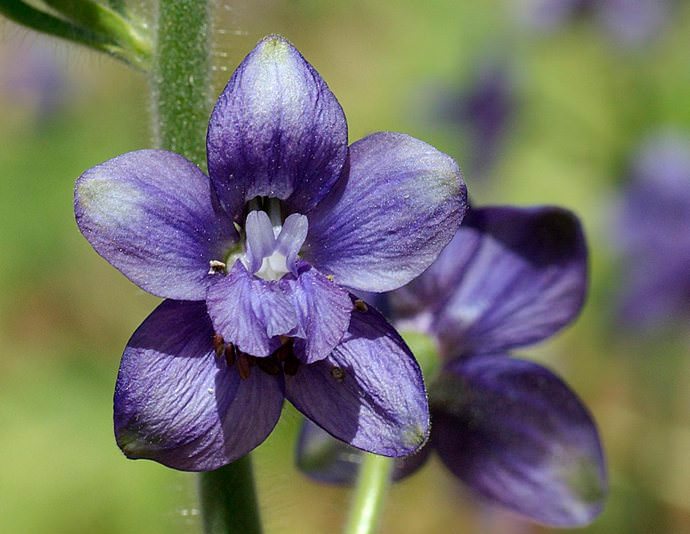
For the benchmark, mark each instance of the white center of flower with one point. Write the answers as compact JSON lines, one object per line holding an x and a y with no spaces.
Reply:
{"x":272,"y":245}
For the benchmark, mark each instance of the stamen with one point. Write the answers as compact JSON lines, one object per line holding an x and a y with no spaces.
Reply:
{"x":268,"y":365}
{"x":338,"y":373}
{"x":230,"y":354}
{"x":330,"y":277}
{"x":216,"y":267}
{"x":243,"y":365}
{"x":218,"y":345}
{"x":291,"y":365}
{"x":361,"y":306}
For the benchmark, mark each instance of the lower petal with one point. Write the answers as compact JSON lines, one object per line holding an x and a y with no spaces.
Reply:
{"x":325,"y":459}
{"x":516,"y":434}
{"x":368,"y":392}
{"x":178,"y":404}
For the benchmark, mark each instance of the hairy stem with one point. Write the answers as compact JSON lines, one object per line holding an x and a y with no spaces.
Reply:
{"x":181,"y":78}
{"x":180,"y":85}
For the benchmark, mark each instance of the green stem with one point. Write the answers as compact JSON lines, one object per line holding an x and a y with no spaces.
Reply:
{"x":370,"y":494}
{"x":228,"y":499}
{"x":181,"y":78}
{"x":180,"y":84}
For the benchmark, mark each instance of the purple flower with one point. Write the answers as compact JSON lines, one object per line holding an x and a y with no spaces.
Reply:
{"x":485,"y":109}
{"x":653,"y":237}
{"x":255,"y":260}
{"x":509,"y":428}
{"x":629,"y":22}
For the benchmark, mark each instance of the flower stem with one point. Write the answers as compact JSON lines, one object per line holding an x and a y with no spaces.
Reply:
{"x":181,"y":78}
{"x":370,"y":494}
{"x":228,"y":499}
{"x":180,"y":85}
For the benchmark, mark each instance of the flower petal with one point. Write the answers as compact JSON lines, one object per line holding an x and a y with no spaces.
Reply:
{"x":526,"y":279}
{"x":368,"y":392}
{"x":260,"y":239}
{"x":150,"y":214}
{"x":250,"y":312}
{"x":515,"y":433}
{"x":323,"y":311}
{"x":325,"y":459}
{"x":253,"y":313}
{"x":180,"y":405}
{"x":276,"y":131}
{"x":388,"y":218}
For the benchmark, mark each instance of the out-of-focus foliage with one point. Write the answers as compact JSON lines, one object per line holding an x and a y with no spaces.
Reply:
{"x":583,"y":105}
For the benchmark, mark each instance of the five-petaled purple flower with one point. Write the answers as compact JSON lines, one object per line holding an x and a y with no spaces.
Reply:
{"x":653,"y":233}
{"x":509,"y":428}
{"x":255,"y":260}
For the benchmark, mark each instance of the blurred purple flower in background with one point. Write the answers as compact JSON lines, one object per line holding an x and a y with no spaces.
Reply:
{"x":628,"y":22}
{"x":484,"y":109}
{"x":513,"y":431}
{"x":653,"y":234}
{"x":34,"y":77}
{"x":255,"y":260}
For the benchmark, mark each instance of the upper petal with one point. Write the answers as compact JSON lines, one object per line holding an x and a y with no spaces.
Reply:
{"x":276,"y":131}
{"x":368,"y":392}
{"x":150,"y":214}
{"x":525,"y":279}
{"x":515,"y":433}
{"x":389,"y":216}
{"x":178,"y":404}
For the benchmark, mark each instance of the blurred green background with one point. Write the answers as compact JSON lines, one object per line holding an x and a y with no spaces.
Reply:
{"x":584,"y":102}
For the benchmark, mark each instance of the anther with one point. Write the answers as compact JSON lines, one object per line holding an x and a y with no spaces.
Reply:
{"x":216,"y":267}
{"x":330,"y":277}
{"x":268,"y":365}
{"x":243,"y":365}
{"x":229,"y":354}
{"x":338,"y":373}
{"x":360,"y":305}
{"x":291,"y":365}
{"x":218,"y":345}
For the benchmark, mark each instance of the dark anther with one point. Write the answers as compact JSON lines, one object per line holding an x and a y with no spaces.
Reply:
{"x":291,"y":365}
{"x":360,"y":305}
{"x":283,"y":352}
{"x":229,"y":354}
{"x":268,"y":365}
{"x":218,"y":344}
{"x":338,"y":373}
{"x":216,"y":267}
{"x":243,"y":365}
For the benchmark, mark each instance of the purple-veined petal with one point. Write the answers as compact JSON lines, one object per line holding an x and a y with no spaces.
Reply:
{"x":260,"y":239}
{"x":389,"y":216}
{"x":253,"y":313}
{"x":325,"y":459}
{"x":368,"y":392}
{"x":516,"y":434}
{"x":323,"y":310}
{"x":179,"y":404}
{"x":291,"y":238}
{"x":526,"y":279}
{"x":276,"y":131}
{"x":150,"y":214}
{"x":250,"y":312}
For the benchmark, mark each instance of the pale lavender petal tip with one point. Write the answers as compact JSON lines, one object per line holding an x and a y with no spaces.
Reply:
{"x":150,"y":214}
